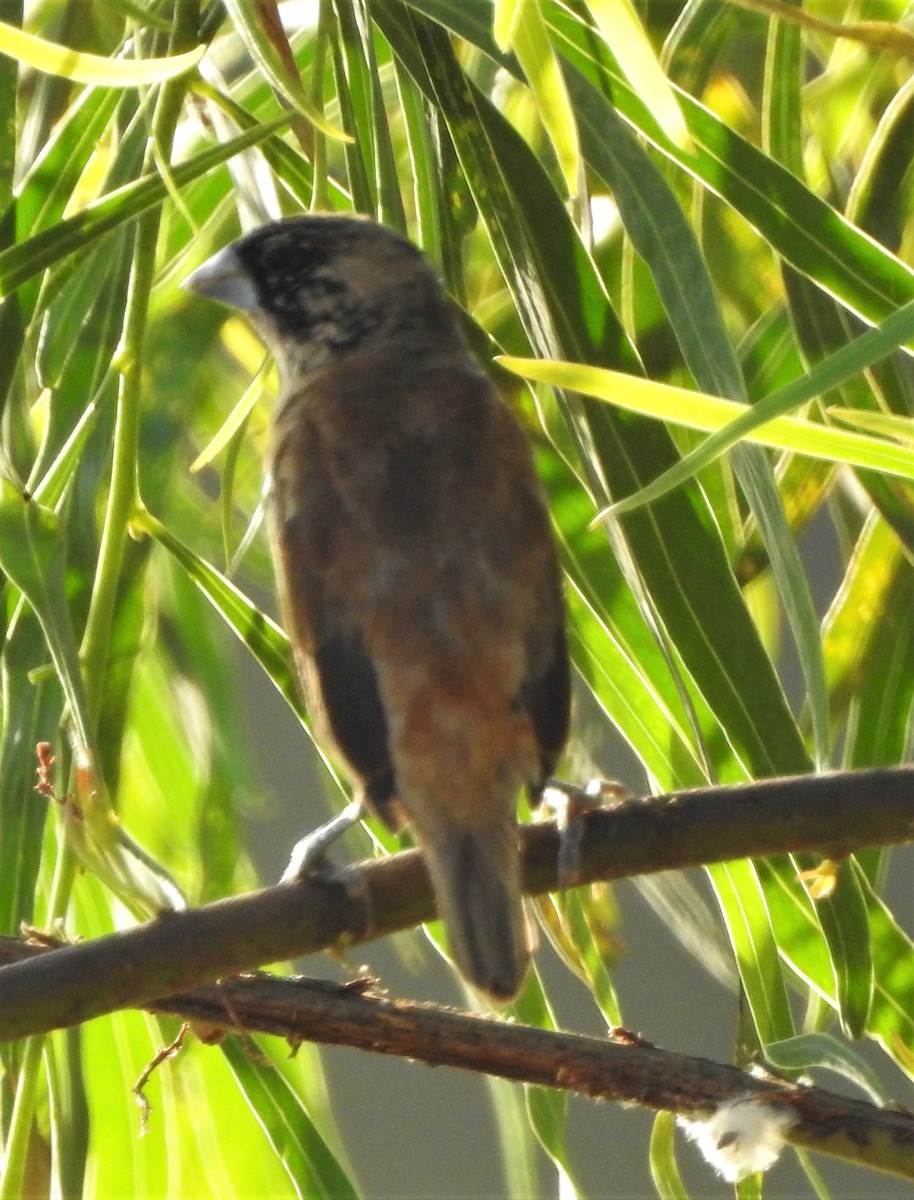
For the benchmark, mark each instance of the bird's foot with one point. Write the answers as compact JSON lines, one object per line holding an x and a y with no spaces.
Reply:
{"x":569,"y":803}
{"x":309,"y":854}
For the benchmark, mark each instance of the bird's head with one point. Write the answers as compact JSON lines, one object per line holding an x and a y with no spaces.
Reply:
{"x":318,"y":288}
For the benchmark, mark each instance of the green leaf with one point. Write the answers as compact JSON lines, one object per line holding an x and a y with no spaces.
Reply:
{"x":888,"y":425}
{"x":808,"y":1051}
{"x":25,"y":260}
{"x":519,"y":27}
{"x":262,"y":48}
{"x":794,"y":916}
{"x":257,"y":631}
{"x":728,"y":420}
{"x":843,"y":916}
{"x":92,"y":68}
{"x":664,"y":239}
{"x":370,"y":159}
{"x":619,"y":23}
{"x":744,"y":903}
{"x":313,"y":1169}
{"x":547,"y":1109}
{"x":32,"y":711}
{"x":33,"y":556}
{"x":664,"y":1171}
{"x":807,"y":231}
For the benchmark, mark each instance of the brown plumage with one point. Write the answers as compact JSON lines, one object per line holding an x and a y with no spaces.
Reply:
{"x":416,"y":565}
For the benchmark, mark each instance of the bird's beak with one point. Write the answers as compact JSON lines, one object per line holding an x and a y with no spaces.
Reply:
{"x":224,"y":278}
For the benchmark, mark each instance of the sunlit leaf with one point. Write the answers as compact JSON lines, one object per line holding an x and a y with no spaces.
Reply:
{"x":807,"y":1051}
{"x":619,"y":23}
{"x":664,"y":1170}
{"x":729,"y":419}
{"x":519,"y":27}
{"x":92,"y":68}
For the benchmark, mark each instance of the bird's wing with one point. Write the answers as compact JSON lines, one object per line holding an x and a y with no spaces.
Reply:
{"x":312,"y":543}
{"x":546,"y":696}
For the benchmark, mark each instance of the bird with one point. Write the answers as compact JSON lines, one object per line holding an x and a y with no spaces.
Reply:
{"x":416,"y":565}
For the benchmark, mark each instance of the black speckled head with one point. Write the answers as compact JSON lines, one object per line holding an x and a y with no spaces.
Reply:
{"x":318,"y":287}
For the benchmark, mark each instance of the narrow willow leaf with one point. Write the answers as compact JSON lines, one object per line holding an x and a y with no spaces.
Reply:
{"x":525,"y":33}
{"x":124,"y":1041}
{"x":781,"y":138}
{"x":68,"y":1113}
{"x":879,"y":198}
{"x":758,"y":483}
{"x":883,"y":699}
{"x":370,"y":160}
{"x":614,"y":650}
{"x":843,"y":917}
{"x":387,"y":170}
{"x":620,"y":25}
{"x":782,"y":120}
{"x":890,"y":1020}
{"x":664,"y":239}
{"x":680,"y":558}
{"x":286,"y":162}
{"x":260,"y":634}
{"x":93,"y":68}
{"x":664,"y":1171}
{"x":27,"y":259}
{"x":32,"y":711}
{"x":807,"y":231}
{"x":727,"y":420}
{"x":662,"y":236}
{"x":313,"y":1170}
{"x":890,"y":425}
{"x":249,"y":21}
{"x":749,"y":1188}
{"x":33,"y":556}
{"x":867,"y":644}
{"x":810,"y":1169}
{"x":48,"y":185}
{"x":547,"y":1109}
{"x":236,"y":418}
{"x":744,"y":904}
{"x":807,"y":1051}
{"x":520,"y":1161}
{"x":589,"y":918}
{"x":624,"y":692}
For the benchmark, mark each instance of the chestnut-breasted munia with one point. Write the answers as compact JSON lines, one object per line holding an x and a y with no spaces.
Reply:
{"x":417,"y":570}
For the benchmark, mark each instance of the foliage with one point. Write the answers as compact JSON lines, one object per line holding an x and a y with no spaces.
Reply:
{"x":730,"y":236}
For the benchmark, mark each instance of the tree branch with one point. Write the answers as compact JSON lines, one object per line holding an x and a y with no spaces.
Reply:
{"x":622,"y":1067}
{"x":830,"y":814}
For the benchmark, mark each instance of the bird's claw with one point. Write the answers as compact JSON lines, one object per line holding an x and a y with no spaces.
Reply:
{"x":569,"y":803}
{"x":308,"y":855}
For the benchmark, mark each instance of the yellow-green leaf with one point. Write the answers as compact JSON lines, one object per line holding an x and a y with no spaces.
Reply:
{"x":891,"y":425}
{"x":624,"y":34}
{"x":698,"y":410}
{"x":234,"y":420}
{"x":81,"y":67}
{"x":520,"y":27}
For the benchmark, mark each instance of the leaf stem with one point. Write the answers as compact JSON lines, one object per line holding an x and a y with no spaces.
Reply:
{"x":123,"y":494}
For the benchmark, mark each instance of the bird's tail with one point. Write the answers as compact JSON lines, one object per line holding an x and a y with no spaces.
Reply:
{"x":476,"y":877}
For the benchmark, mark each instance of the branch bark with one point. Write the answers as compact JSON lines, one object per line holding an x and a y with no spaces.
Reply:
{"x":622,"y":1067}
{"x":831,"y":814}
